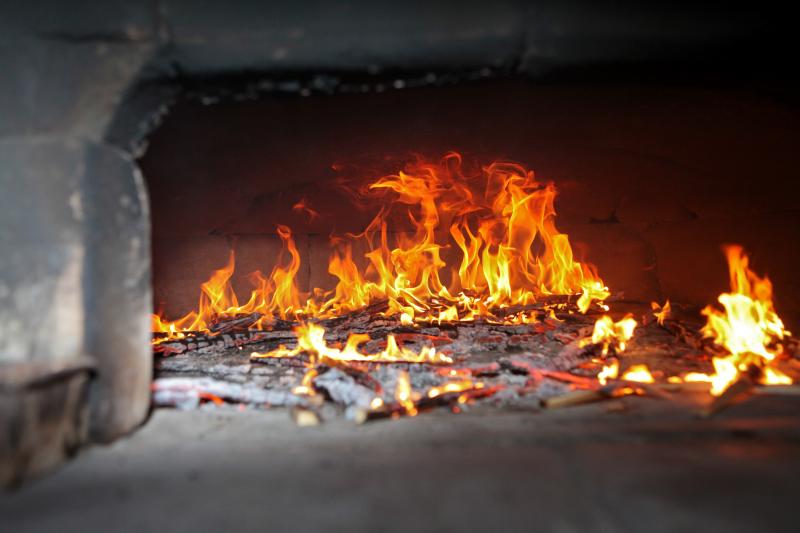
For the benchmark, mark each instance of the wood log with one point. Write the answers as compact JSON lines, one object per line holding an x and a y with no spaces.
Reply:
{"x":226,"y":324}
{"x":206,"y":343}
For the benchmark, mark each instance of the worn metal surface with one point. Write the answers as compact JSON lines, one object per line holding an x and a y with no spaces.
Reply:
{"x":75,"y":273}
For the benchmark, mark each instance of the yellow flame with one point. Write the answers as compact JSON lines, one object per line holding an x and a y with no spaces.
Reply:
{"x":661,"y":312}
{"x":639,"y":373}
{"x":306,"y":387}
{"x":747,"y":326}
{"x":609,"y":333}
{"x":311,"y":340}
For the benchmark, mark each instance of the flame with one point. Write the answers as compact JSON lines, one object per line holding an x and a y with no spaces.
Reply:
{"x":500,"y":219}
{"x":747,"y":327}
{"x":639,"y":373}
{"x":311,"y":340}
{"x":594,"y":290}
{"x":404,"y":394}
{"x":276,"y":295}
{"x":454,"y":386}
{"x":612,"y":334}
{"x":306,"y":387}
{"x":661,"y":313}
{"x":609,"y":371}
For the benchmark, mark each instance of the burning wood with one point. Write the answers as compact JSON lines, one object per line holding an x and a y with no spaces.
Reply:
{"x":517,"y":290}
{"x":449,"y":394}
{"x":310,"y":339}
{"x":497,"y":214}
{"x":612,"y":335}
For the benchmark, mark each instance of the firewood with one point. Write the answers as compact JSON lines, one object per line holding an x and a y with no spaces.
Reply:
{"x":207,"y":343}
{"x":573,"y":398}
{"x":234,"y":323}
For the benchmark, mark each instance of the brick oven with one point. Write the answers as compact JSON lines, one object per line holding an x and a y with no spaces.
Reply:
{"x":380,"y":166}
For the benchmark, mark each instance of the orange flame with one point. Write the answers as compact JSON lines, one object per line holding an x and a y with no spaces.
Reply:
{"x":639,"y":373}
{"x":747,"y":327}
{"x":500,"y":218}
{"x":612,"y":334}
{"x":404,"y":394}
{"x":454,"y":386}
{"x":609,"y":371}
{"x":311,"y":340}
{"x":661,"y":312}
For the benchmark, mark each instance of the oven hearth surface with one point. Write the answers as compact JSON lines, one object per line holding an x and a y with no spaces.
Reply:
{"x":657,"y":468}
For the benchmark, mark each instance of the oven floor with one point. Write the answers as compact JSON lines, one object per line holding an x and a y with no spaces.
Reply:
{"x":643,"y":465}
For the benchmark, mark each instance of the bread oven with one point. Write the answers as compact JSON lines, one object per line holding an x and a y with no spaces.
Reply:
{"x":379,"y":211}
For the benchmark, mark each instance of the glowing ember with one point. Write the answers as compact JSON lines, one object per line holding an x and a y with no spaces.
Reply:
{"x":661,"y":313}
{"x":500,"y":218}
{"x":612,"y":334}
{"x":594,"y":290}
{"x":311,"y":340}
{"x":639,"y":373}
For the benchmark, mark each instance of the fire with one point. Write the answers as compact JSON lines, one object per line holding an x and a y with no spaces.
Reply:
{"x":311,"y":340}
{"x":404,"y":394}
{"x":661,"y":312}
{"x":609,"y":371}
{"x":747,"y":327}
{"x":639,"y":373}
{"x":500,"y":218}
{"x":276,"y":295}
{"x":612,"y":334}
{"x":454,"y":386}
